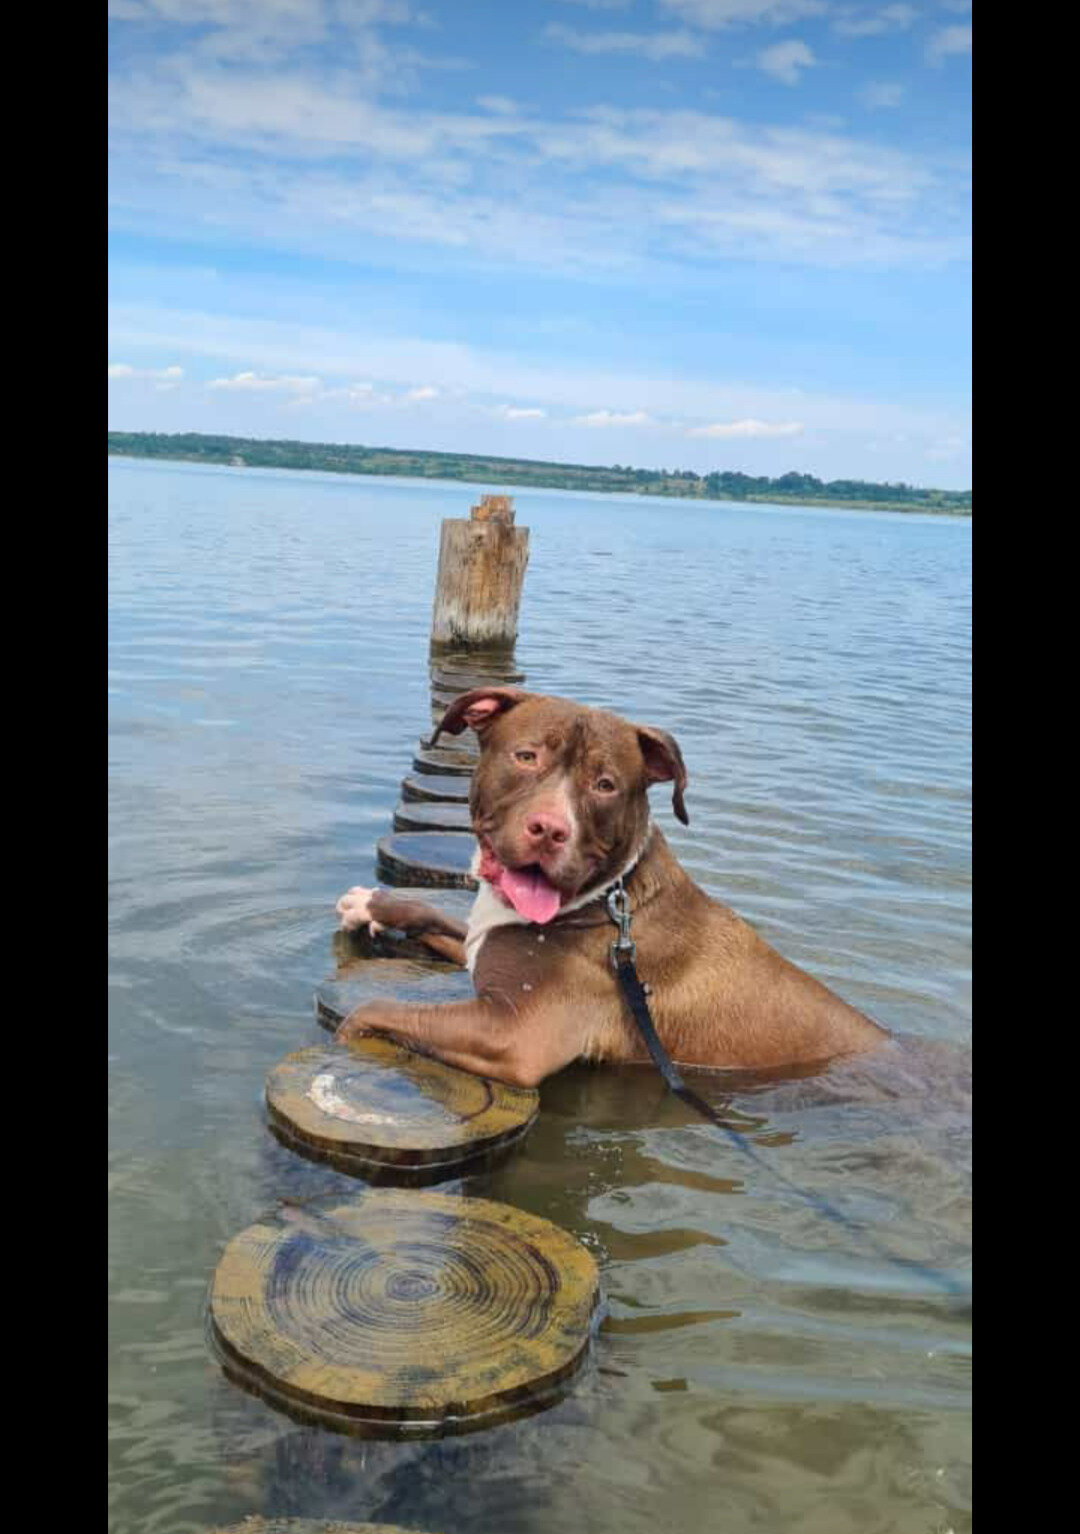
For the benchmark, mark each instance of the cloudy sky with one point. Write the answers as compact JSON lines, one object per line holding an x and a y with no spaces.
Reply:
{"x":667,"y":233}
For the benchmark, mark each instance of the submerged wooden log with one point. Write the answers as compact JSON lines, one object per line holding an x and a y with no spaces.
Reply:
{"x":464,"y":751}
{"x":427,"y":980}
{"x":435,"y":788}
{"x":403,"y":1309}
{"x":432,"y":817}
{"x":480,"y":575}
{"x":435,"y":859}
{"x":444,"y":763}
{"x":457,"y":679}
{"x":374,"y":1106}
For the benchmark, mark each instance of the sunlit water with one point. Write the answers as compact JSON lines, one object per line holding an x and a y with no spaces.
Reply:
{"x":758,"y":1368}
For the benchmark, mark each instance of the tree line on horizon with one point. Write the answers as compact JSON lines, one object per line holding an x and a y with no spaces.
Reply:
{"x":347,"y":458}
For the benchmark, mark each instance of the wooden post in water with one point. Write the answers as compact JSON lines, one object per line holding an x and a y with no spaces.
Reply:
{"x":478,"y":585}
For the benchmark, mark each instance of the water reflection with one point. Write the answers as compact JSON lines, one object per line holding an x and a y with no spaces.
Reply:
{"x":756,"y":1368}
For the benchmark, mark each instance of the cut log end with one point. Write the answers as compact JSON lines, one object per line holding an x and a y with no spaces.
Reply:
{"x":434,"y":859}
{"x":404,"y":1310}
{"x":373,"y":1104}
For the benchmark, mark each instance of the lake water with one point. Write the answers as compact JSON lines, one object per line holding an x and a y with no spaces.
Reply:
{"x":757,"y":1368}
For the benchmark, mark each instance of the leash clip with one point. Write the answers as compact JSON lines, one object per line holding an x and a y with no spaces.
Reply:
{"x":618,"y":908}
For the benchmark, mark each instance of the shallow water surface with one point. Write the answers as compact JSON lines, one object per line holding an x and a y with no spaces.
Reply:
{"x":758,"y":1367}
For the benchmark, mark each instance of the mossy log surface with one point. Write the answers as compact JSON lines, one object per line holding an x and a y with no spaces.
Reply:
{"x":394,"y":1309}
{"x":376,"y":1103}
{"x":434,"y":787}
{"x":436,"y":859}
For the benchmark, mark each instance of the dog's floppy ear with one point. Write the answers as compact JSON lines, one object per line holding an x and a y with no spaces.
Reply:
{"x":478,"y":709}
{"x":664,"y":764}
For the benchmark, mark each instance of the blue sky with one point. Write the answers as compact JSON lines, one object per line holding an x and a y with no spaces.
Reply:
{"x":707,"y":234}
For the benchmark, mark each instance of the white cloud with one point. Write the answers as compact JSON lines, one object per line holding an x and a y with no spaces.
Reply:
{"x":717,"y":14}
{"x":950,"y":40}
{"x":949,"y":448}
{"x":254,"y":383}
{"x":891,"y":18}
{"x":521,"y":412}
{"x":748,"y":428}
{"x":649,"y":45}
{"x":882,"y":93}
{"x":784,"y":61}
{"x":308,"y":161}
{"x":501,"y":105}
{"x":613,"y":418}
{"x":169,"y":376}
{"x":425,"y":391}
{"x":486,"y":375}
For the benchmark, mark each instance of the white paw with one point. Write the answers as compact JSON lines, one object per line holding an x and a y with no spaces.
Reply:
{"x":354,"y":908}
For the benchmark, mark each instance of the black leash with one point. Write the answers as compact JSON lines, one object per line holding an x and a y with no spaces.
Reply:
{"x":624,"y":963}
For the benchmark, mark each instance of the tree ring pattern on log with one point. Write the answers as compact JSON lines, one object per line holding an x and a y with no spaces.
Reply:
{"x":415,"y":1308}
{"x":374,"y":1101}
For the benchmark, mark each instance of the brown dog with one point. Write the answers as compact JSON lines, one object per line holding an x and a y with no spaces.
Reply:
{"x":560,"y":810}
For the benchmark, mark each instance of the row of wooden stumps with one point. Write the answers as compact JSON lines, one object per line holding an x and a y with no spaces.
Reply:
{"x":473,"y":630}
{"x":395,"y":1310}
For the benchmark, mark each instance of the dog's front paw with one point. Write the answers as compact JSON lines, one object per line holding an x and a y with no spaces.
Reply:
{"x":382,"y":1017}
{"x":354,"y":908}
{"x":354,"y":1027}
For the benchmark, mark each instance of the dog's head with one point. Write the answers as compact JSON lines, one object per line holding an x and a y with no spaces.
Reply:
{"x":559,"y":796}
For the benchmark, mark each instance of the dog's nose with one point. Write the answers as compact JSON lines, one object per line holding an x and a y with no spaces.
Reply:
{"x":546,"y":827}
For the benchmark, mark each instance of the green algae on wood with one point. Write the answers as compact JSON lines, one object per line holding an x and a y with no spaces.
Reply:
{"x":403,"y":1310}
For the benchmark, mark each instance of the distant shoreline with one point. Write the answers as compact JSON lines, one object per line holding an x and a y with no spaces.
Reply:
{"x":475,"y":468}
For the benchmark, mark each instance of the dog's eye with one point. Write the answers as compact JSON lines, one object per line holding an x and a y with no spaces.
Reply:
{"x":604,"y":786}
{"x":527,"y":758}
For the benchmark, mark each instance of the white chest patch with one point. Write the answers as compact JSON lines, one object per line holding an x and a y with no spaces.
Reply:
{"x":489,"y":911}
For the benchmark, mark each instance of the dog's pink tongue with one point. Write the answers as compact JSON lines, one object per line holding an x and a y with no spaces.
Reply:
{"x":531,"y":894}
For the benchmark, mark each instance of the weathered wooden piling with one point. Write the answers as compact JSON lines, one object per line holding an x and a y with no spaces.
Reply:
{"x":478,"y":586}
